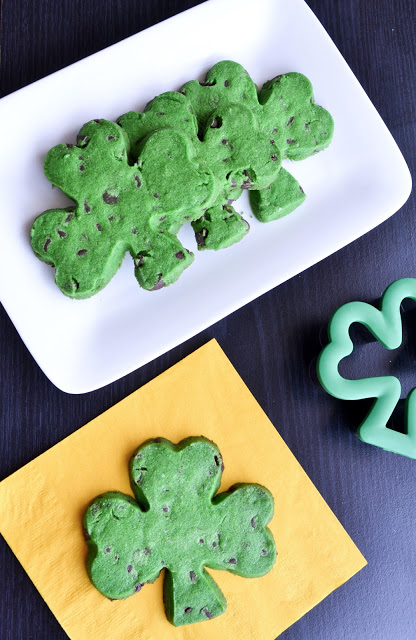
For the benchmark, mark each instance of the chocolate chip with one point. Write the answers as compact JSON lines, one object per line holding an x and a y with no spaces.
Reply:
{"x":160,"y":113}
{"x":180,"y":255}
{"x":69,"y":146}
{"x":69,"y":217}
{"x":138,"y":586}
{"x":225,"y":159}
{"x":61,"y":233}
{"x":316,"y":142}
{"x":155,"y":195}
{"x":275,"y":130}
{"x":82,"y":252}
{"x":87,"y":208}
{"x":214,"y":544}
{"x":307,"y":126}
{"x":162,"y":218}
{"x":139,"y":262}
{"x":264,"y":552}
{"x":139,"y":478}
{"x":159,"y":285}
{"x":201,"y":541}
{"x":82,"y":168}
{"x":219,"y":536}
{"x":301,"y":189}
{"x":109,"y":199}
{"x":207,"y":613}
{"x":99,"y":227}
{"x":134,"y":230}
{"x":138,"y":181}
{"x":116,"y":558}
{"x":224,"y":141}
{"x":222,"y":466}
{"x":110,"y":137}
{"x":252,"y":522}
{"x":146,"y":551}
{"x":200,"y":239}
{"x":108,"y":549}
{"x":187,"y":610}
{"x":165,"y":509}
{"x":129,"y":568}
{"x":232,"y":561}
{"x":215,"y":124}
{"x":290,"y":141}
{"x":82,"y":141}
{"x":274,"y":157}
{"x":272,"y":142}
{"x":226,"y":83}
{"x":192,"y":576}
{"x":207,"y":84}
{"x":216,"y":458}
{"x":289,"y":122}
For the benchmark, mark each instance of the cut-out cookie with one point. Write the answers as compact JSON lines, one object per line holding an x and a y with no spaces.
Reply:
{"x":386,"y":326}
{"x":120,"y":208}
{"x":284,"y":110}
{"x":177,"y":523}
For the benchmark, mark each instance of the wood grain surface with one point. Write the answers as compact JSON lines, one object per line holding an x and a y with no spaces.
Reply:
{"x":273,"y":342}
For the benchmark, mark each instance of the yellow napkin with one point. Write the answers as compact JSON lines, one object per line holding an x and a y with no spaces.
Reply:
{"x":41,"y":507}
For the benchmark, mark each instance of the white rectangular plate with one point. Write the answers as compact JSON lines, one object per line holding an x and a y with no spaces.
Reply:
{"x":83,"y":345}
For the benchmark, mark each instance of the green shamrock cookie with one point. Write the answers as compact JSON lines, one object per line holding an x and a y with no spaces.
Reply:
{"x":121,"y":208}
{"x":386,"y":326}
{"x":177,"y":523}
{"x":284,"y":110}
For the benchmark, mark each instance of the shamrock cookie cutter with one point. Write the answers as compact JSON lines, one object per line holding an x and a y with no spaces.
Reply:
{"x":386,"y":326}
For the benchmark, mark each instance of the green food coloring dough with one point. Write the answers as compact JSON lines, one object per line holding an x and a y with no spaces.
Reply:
{"x":120,"y":208}
{"x":177,"y":523}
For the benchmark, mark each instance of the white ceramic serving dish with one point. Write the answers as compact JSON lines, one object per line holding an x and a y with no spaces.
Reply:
{"x":83,"y":345}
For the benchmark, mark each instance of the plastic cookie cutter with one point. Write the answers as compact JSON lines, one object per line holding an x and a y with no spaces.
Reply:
{"x":386,"y":327}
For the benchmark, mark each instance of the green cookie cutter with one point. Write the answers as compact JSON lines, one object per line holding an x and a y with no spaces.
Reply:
{"x":386,"y":327}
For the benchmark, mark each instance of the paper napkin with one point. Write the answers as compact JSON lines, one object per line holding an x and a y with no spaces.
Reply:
{"x":41,"y":508}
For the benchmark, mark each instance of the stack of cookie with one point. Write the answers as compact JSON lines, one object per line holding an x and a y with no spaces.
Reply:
{"x":187,"y":157}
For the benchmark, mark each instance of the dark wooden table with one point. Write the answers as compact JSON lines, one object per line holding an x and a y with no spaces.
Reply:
{"x":273,"y":342}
